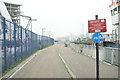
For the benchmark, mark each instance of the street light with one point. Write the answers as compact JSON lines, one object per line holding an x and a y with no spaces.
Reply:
{"x":29,"y":20}
{"x":43,"y":32}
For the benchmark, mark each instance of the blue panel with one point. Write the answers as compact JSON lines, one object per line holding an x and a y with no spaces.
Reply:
{"x":97,"y":37}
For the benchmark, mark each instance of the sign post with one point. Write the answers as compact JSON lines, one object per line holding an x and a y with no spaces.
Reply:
{"x":97,"y":37}
{"x":96,"y":26}
{"x":97,"y":61}
{"x":97,"y":56}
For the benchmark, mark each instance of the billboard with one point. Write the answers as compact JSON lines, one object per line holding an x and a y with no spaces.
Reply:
{"x":96,"y":26}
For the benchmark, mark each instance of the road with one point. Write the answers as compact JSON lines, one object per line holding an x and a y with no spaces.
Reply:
{"x":48,"y":64}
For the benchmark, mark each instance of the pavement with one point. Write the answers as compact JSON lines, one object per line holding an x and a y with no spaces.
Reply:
{"x":48,"y":64}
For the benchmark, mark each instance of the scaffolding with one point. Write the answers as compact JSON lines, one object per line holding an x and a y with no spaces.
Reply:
{"x":14,"y":10}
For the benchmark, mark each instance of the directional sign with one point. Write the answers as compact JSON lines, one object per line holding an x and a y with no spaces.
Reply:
{"x":96,"y":26}
{"x":97,"y":37}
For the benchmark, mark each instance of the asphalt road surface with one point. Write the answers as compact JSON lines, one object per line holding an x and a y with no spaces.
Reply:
{"x":48,"y":64}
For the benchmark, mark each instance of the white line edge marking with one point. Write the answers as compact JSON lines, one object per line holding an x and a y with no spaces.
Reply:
{"x":70,"y":72}
{"x":23,"y":65}
{"x":107,"y":63}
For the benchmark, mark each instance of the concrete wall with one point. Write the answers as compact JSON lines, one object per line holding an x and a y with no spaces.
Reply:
{"x":106,"y":54}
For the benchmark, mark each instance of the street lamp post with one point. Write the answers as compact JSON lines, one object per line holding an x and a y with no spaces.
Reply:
{"x":31,"y":22}
{"x":43,"y":32}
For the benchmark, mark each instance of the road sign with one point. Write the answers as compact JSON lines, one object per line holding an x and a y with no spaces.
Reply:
{"x":95,"y":26}
{"x":97,"y":37}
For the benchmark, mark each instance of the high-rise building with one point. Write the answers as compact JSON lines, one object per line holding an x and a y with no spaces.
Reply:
{"x":14,"y":11}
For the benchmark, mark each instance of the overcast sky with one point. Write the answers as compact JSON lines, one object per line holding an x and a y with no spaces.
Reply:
{"x":64,"y":17}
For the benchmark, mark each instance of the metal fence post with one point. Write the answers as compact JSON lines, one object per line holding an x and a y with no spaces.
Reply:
{"x":15,"y":43}
{"x":37,"y":41}
{"x":4,"y":43}
{"x":10,"y":45}
{"x":21,"y":42}
{"x":18,"y":51}
{"x":25,"y":42}
{"x":40,"y":41}
{"x":31,"y":41}
{"x":112,"y":57}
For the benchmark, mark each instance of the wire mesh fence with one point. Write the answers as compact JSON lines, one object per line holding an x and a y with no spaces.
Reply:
{"x":17,"y":43}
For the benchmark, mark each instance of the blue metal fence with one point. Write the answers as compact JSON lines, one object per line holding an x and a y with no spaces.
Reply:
{"x":17,"y":42}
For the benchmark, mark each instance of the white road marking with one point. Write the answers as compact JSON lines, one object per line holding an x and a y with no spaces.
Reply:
{"x":68,"y":69}
{"x":23,"y":65}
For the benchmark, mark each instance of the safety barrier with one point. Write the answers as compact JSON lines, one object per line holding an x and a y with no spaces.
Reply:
{"x":107,"y":54}
{"x":17,"y":43}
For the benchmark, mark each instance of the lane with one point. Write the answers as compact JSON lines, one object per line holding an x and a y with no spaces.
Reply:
{"x":46,"y":64}
{"x":83,"y":66}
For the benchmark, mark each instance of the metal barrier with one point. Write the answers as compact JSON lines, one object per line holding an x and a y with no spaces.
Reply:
{"x":17,"y":42}
{"x":107,"y":54}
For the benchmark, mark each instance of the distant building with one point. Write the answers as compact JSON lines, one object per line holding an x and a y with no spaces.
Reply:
{"x":108,"y":37}
{"x":14,"y":11}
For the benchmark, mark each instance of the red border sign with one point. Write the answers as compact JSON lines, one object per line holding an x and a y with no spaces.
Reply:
{"x":95,"y":26}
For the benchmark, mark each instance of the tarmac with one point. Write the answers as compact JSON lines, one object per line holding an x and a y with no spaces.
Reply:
{"x":59,"y":61}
